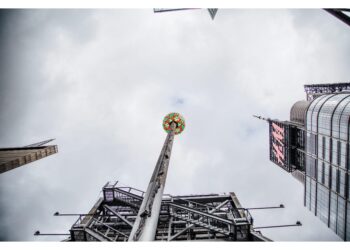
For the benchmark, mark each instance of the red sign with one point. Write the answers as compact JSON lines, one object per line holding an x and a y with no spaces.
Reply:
{"x":277,"y":143}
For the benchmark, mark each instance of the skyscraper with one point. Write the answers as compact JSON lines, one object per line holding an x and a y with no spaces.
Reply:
{"x":11,"y":158}
{"x":314,"y":147}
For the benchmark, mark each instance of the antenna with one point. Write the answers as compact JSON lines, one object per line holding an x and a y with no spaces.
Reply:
{"x":262,"y":118}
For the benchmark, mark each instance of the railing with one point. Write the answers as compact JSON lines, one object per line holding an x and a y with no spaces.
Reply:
{"x":133,"y":191}
{"x":79,"y":221}
{"x":130,"y":196}
{"x":107,"y":231}
{"x":245,"y":219}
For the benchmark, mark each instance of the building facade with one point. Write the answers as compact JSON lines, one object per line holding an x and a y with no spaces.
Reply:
{"x":214,"y":217}
{"x":314,"y":147}
{"x":11,"y":158}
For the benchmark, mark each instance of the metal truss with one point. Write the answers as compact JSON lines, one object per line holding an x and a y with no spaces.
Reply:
{"x":314,"y":90}
{"x":193,"y":217}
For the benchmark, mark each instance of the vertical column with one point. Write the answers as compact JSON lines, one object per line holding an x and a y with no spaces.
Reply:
{"x":145,"y":225}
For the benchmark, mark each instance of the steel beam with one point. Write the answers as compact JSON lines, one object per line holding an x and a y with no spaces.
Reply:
{"x":192,"y":225}
{"x":118,"y":215}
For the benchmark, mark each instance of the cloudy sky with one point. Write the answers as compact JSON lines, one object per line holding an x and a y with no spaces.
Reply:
{"x":101,"y":81}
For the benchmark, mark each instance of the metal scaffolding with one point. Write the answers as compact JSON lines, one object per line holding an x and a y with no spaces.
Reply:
{"x":192,"y":217}
{"x":314,"y":90}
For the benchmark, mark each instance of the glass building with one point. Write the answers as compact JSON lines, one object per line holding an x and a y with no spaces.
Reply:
{"x":314,"y":147}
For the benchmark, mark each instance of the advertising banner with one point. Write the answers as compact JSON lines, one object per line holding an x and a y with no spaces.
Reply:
{"x":279,"y":146}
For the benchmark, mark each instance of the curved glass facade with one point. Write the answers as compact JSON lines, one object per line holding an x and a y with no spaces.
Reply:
{"x":327,"y":161}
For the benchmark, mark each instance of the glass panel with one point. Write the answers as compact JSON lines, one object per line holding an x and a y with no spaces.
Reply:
{"x":336,"y":116}
{"x":313,"y":196}
{"x":315,"y":112}
{"x":338,"y":152}
{"x":327,"y":149}
{"x":326,"y":175}
{"x":307,"y":192}
{"x":334,"y":179}
{"x":310,"y":166}
{"x":342,"y":155}
{"x":341,"y":217}
{"x":333,"y":212}
{"x":335,"y":152}
{"x":342,"y":182}
{"x":310,"y":118}
{"x":322,"y":203}
{"x":320,"y":173}
{"x":348,"y":188}
{"x":348,"y":222}
{"x":311,"y":143}
{"x":344,"y":123}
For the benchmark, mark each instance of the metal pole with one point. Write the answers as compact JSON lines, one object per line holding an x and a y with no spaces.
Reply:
{"x":145,"y":225}
{"x":255,"y":208}
{"x":297,"y":224}
{"x":37,"y":233}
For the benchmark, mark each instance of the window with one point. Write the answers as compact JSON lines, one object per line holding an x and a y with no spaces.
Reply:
{"x":333,"y":212}
{"x":310,"y":166}
{"x":338,"y":181}
{"x":348,"y":223}
{"x":338,"y":152}
{"x":341,"y":217}
{"x":342,"y":182}
{"x":322,"y":203}
{"x":311,"y":143}
{"x":323,"y":146}
{"x":334,"y":178}
{"x":323,"y":169}
{"x":327,"y":175}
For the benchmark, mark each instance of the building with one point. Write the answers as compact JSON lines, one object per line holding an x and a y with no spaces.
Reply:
{"x":314,"y":147}
{"x":217,"y":217}
{"x":11,"y":158}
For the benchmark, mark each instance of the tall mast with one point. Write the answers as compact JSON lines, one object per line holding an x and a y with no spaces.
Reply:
{"x":145,"y":226}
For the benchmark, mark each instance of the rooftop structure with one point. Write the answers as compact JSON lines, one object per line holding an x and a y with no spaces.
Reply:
{"x":11,"y":158}
{"x":191,"y":217}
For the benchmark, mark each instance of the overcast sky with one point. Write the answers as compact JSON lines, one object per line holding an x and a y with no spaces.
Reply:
{"x":101,"y":81}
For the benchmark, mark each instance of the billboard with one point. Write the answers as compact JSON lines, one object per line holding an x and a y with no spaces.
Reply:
{"x":279,"y":144}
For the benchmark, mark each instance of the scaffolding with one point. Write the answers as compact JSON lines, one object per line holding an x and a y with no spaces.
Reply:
{"x":190,"y":217}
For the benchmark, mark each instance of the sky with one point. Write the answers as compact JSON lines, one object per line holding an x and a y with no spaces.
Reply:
{"x":101,"y":81}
